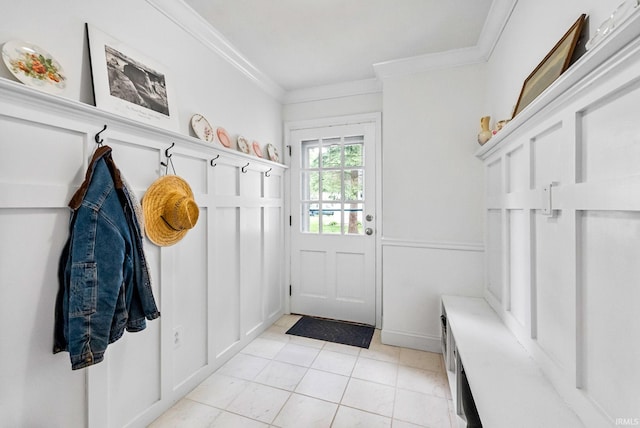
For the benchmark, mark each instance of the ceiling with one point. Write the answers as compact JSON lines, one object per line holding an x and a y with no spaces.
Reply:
{"x":309,"y":43}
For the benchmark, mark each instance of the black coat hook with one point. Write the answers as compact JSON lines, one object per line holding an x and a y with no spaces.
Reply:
{"x":211,"y":162}
{"x":244,"y":168}
{"x":169,"y":161}
{"x":99,"y":140}
{"x":267,"y":173}
{"x":166,"y":152}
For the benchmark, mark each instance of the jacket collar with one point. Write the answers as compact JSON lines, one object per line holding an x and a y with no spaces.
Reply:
{"x":103,"y":152}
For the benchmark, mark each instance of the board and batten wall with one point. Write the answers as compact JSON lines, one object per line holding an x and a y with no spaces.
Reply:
{"x":563,"y":226}
{"x":217,"y":289}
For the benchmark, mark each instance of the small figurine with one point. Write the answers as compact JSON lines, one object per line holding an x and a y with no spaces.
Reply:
{"x":499,"y":125}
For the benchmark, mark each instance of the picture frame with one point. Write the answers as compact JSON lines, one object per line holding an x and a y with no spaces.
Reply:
{"x":551,"y":67}
{"x":129,"y":83}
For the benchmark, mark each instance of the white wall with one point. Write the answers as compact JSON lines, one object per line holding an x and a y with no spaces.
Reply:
{"x":432,"y":206}
{"x":332,"y":107}
{"x":533,"y":29}
{"x":204,"y":82}
{"x":432,"y":182}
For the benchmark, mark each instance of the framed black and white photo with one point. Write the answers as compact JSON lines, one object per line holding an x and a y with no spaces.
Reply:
{"x":128,"y":83}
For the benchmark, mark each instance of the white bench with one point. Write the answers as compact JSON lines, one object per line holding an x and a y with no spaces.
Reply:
{"x":508,"y":387}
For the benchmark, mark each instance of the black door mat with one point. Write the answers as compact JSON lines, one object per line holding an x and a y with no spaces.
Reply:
{"x":333,"y":331}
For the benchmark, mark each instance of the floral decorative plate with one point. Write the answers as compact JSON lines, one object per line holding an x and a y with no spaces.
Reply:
{"x":273,"y":153}
{"x":223,"y":137}
{"x":243,"y":145}
{"x":34,"y":66}
{"x":201,"y":127}
{"x":256,"y":149}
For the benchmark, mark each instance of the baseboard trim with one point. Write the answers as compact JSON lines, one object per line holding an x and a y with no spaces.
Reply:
{"x":411,"y":340}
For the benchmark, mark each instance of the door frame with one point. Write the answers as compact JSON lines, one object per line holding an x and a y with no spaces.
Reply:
{"x":373,"y":118}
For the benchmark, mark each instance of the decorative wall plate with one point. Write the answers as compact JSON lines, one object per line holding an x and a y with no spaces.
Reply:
{"x":223,"y":137}
{"x":34,"y":66}
{"x":272,"y":151}
{"x":256,"y":149}
{"x":243,"y":144}
{"x":202,"y":128}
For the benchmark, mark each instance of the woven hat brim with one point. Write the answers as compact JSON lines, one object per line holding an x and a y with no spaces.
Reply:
{"x":153,"y":203}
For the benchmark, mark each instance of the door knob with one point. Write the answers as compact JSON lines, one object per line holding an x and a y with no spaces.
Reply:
{"x":368,"y":231}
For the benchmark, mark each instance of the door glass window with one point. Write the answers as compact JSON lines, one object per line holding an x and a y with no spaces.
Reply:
{"x":332,"y":185}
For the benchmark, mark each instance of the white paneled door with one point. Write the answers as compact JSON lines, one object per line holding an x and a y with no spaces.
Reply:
{"x":333,"y":222}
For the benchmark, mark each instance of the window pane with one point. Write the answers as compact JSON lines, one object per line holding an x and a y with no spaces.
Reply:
{"x":310,"y":186}
{"x":330,"y":219}
{"x":309,"y":220}
{"x":353,"y":154}
{"x":331,"y":185}
{"x":331,"y":156}
{"x":310,"y":154}
{"x":353,"y":185}
{"x":353,"y":219}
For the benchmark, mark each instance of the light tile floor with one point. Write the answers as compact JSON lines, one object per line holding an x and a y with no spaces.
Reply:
{"x":284,"y":381}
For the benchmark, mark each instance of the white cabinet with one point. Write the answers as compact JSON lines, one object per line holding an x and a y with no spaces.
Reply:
{"x":217,"y":289}
{"x":563,"y":230}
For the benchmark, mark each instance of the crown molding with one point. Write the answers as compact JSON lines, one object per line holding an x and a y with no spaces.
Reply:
{"x":429,"y":62}
{"x":191,"y":22}
{"x":338,"y":90}
{"x":497,"y":18}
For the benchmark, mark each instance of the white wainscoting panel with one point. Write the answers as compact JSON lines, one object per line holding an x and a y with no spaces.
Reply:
{"x":517,"y":170}
{"x":573,"y":270}
{"x":189,"y":287}
{"x":273,"y":253}
{"x":495,"y":269}
{"x":226,"y":285}
{"x":217,"y":289}
{"x":415,"y":276}
{"x":610,"y":298}
{"x":519,"y":284}
{"x":554,"y":296}
{"x":30,"y":373}
{"x":251,"y":279}
{"x":128,"y":360}
{"x":549,"y":151}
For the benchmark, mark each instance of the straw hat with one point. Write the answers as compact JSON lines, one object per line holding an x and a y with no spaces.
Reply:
{"x":169,"y":210}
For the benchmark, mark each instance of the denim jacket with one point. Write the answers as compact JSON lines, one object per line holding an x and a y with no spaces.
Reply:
{"x":104,"y":283}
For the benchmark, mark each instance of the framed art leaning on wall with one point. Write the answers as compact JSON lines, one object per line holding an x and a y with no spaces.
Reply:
{"x":130,"y":84}
{"x":551,"y":67}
